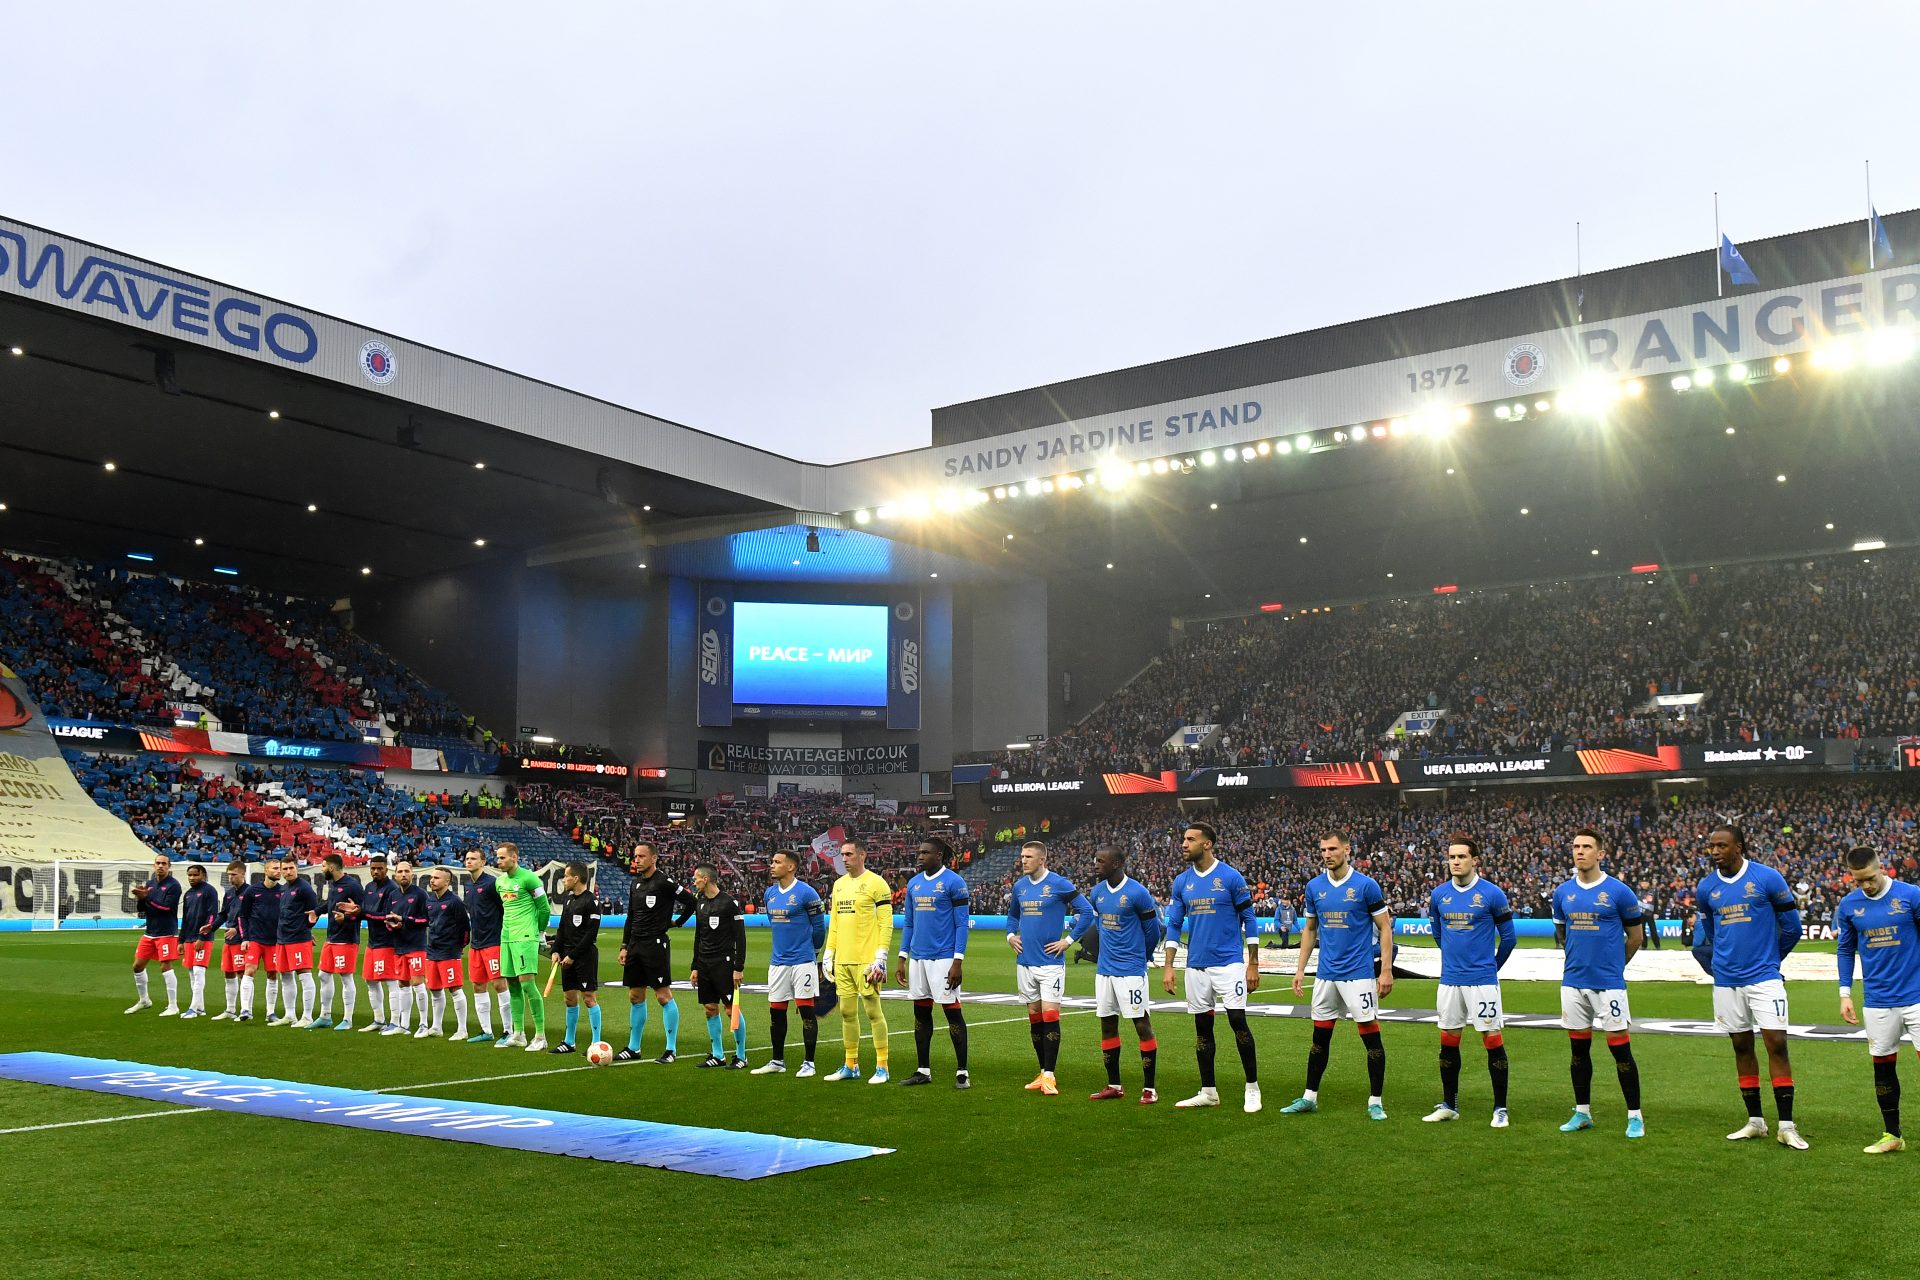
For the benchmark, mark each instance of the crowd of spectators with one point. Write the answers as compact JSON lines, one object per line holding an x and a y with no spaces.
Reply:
{"x":1657,"y":845}
{"x":101,"y":643}
{"x":1795,"y":650}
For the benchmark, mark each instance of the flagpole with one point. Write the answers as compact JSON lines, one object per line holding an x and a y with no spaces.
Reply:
{"x":1579,"y":279}
{"x":1869,"y":167}
{"x":1719,"y":276}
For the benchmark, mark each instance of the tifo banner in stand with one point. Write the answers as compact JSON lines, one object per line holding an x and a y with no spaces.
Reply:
{"x":44,"y":811}
{"x":811,"y":762}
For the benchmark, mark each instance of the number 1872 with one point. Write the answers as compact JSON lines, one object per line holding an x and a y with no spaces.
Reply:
{"x":1447,"y":375}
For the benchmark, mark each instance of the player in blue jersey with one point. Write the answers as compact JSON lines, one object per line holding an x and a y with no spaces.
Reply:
{"x":1345,"y":914}
{"x":340,"y":953}
{"x":299,"y":908}
{"x":1746,"y":921}
{"x":1128,"y":924}
{"x":798,"y":920}
{"x":407,"y":922}
{"x":381,"y":968}
{"x":1474,"y":927}
{"x":233,"y":947}
{"x":260,"y":927}
{"x":157,"y":902}
{"x":199,"y":912}
{"x":1211,"y":899}
{"x":1597,"y":922}
{"x":1880,"y":921}
{"x":1038,"y":933}
{"x":482,"y":900}
{"x":933,"y":944}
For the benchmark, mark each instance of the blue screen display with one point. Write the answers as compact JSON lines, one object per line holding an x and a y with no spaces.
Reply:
{"x":809,"y":655}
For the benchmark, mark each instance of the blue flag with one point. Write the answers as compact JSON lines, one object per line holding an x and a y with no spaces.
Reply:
{"x":1738,"y":272}
{"x":1882,"y":247}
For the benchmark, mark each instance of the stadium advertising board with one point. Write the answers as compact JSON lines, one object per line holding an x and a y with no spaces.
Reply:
{"x":810,"y":762}
{"x":214,"y":742}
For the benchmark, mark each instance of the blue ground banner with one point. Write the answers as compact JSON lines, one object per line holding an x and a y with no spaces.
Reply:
{"x":718,"y":1153}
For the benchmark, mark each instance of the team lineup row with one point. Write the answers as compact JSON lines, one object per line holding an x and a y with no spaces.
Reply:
{"x":837,"y":951}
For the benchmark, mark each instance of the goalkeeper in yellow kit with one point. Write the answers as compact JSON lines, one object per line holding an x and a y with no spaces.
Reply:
{"x":859,"y":931}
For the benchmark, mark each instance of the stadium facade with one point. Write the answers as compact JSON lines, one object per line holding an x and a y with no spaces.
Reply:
{"x":558,"y":562}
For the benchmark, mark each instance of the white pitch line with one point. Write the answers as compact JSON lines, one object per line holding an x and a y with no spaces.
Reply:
{"x":447,"y":1084}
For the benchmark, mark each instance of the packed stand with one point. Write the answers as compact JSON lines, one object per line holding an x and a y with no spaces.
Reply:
{"x":65,"y":651}
{"x":1780,"y":651}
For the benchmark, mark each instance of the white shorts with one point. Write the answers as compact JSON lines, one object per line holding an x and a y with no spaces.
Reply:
{"x":1886,"y":1026}
{"x":1124,"y":996}
{"x":793,"y":982}
{"x":1476,"y":1007}
{"x":1041,"y":983}
{"x":1762,"y":1005}
{"x":1357,"y":999}
{"x":927,"y":980}
{"x":1583,"y":1009}
{"x":1225,"y":986}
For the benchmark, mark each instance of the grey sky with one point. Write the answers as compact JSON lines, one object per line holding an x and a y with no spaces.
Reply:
{"x":804,"y":225}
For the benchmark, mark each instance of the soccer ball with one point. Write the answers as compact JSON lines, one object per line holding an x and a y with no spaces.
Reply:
{"x":599,"y":1053}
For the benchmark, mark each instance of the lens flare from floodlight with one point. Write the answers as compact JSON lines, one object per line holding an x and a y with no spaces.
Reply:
{"x":1046,"y":486}
{"x":1247,"y":455}
{"x":1032,"y":488}
{"x":1116,"y":475}
{"x":1703,"y":377}
{"x":1397,"y":427}
{"x":1159,"y":466}
{"x":1782,"y":365}
{"x":1838,"y":355}
{"x":1287,"y":446}
{"x":1541,"y":406}
{"x":866,"y":517}
{"x":1462,"y":416}
{"x":1143,"y":468}
{"x":918,"y":505}
{"x":1339,"y":437}
{"x":1890,"y":346}
{"x":976,"y":497}
{"x":1633,"y":387}
{"x":1681,"y":382}
{"x":1000,"y":491}
{"x":883,"y":513}
{"x":1737,"y":373}
{"x":1207,"y":459}
{"x":1502,"y":412}
{"x":1263,"y":448}
{"x":1379,"y":432}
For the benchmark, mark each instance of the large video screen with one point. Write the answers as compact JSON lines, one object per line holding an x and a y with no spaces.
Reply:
{"x":809,"y":655}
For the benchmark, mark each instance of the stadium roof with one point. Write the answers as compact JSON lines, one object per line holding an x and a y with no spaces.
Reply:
{"x":177,"y":381}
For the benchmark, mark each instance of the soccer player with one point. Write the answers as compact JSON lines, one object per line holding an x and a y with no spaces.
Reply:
{"x":482,"y":901}
{"x":1746,"y":924}
{"x":381,"y":968}
{"x":158,"y":902}
{"x":524,"y":915}
{"x":1038,"y":933}
{"x":859,"y":928}
{"x":199,"y":912}
{"x":1345,"y":911}
{"x":1880,"y":920}
{"x":719,"y":962}
{"x":576,"y":947}
{"x":933,"y":943}
{"x":799,"y":925}
{"x":655,"y":905}
{"x":447,"y":933}
{"x":299,"y":908}
{"x":407,"y":924}
{"x":1599,"y":923}
{"x":260,"y":927}
{"x":340,"y":954}
{"x":233,"y":949}
{"x":1129,"y":925}
{"x":1474,"y":927}
{"x":1223,"y":957}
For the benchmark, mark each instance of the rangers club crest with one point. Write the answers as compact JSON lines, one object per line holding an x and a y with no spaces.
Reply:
{"x":377,"y":361}
{"x":1524,"y":365}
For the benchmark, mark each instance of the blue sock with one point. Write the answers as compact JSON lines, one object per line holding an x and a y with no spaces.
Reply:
{"x":740,"y":1038}
{"x":573,"y":1021}
{"x":670,"y":1019}
{"x":713,"y":1034}
{"x":636,"y":1024}
{"x":593,"y":1021}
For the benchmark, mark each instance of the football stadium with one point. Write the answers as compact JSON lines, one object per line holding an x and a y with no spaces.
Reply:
{"x":1427,"y":779}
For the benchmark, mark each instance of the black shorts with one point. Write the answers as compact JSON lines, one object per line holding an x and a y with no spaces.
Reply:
{"x":649,"y":966}
{"x":713,"y":983}
{"x":582,"y":975}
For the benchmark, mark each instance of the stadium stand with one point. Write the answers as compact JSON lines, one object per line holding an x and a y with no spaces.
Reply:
{"x":100,"y":643}
{"x":1777,"y":651}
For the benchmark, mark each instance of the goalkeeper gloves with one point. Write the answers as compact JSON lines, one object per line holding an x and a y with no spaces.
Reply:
{"x":826,"y":960}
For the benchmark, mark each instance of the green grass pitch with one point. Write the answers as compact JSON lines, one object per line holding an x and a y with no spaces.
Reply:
{"x":994,"y":1180}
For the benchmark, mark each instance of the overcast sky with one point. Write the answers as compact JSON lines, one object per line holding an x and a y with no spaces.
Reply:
{"x":804,"y":225}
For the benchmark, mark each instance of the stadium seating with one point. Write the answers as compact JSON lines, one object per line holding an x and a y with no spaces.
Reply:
{"x":1778,"y":651}
{"x":100,"y":643}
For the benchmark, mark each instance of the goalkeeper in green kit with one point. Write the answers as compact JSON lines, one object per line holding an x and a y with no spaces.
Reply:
{"x":523,"y":919}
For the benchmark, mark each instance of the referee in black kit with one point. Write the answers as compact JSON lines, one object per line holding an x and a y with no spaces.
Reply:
{"x":719,"y":963}
{"x":655,"y":905}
